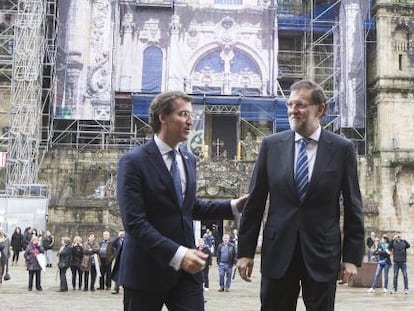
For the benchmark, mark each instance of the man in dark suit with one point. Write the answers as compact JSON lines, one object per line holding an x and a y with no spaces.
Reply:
{"x":301,"y":246}
{"x":159,"y":263}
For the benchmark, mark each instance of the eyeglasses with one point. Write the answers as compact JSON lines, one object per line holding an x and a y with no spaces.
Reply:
{"x":186,"y":114}
{"x":298,"y":105}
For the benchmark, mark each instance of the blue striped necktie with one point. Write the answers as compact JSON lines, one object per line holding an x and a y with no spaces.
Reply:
{"x":175,"y":174}
{"x":302,"y":170}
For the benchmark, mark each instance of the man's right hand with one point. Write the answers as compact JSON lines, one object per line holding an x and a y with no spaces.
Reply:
{"x":194,"y":261}
{"x":245,"y":267}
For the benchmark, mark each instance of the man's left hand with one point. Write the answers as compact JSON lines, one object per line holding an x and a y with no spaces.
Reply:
{"x":349,"y":272}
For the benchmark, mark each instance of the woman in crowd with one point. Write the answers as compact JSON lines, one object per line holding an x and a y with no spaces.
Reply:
{"x":4,"y":253}
{"x":76,"y":260}
{"x":64,"y":254}
{"x":33,"y":266}
{"x":89,"y":262}
{"x":384,"y":263}
{"x":47,"y":242}
{"x":16,"y":244}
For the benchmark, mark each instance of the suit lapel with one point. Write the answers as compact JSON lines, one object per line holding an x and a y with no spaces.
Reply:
{"x":288,"y":157}
{"x":323,"y":157}
{"x":189,"y":173}
{"x":159,"y":167}
{"x":281,"y":159}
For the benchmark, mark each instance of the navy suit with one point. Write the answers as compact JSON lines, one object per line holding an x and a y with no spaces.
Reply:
{"x":311,"y":229}
{"x":155,"y":224}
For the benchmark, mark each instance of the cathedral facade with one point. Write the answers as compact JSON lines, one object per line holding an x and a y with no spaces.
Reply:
{"x":237,"y":58}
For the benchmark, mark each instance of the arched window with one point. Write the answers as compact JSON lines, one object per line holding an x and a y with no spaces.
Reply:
{"x":211,"y":62}
{"x":243,"y":62}
{"x":227,"y":70}
{"x":152,"y":70}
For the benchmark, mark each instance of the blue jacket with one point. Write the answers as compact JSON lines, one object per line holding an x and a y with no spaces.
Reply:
{"x":155,"y":225}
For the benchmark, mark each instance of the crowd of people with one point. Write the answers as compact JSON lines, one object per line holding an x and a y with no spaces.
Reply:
{"x":380,"y":251}
{"x":90,"y":261}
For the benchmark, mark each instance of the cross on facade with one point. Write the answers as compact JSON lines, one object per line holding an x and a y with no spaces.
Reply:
{"x":218,"y":144}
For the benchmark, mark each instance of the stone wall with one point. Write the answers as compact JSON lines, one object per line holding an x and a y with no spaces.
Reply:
{"x":390,"y":121}
{"x":82,"y":192}
{"x":82,"y":217}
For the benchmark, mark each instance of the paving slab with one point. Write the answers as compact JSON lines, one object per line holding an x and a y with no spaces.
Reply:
{"x":242,"y":297}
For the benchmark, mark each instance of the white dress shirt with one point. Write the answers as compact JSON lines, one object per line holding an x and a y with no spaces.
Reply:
{"x":311,"y":149}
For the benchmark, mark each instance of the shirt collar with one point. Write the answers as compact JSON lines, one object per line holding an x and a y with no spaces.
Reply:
{"x":315,"y":135}
{"x":162,"y":146}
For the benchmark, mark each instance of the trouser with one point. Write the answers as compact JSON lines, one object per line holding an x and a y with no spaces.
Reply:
{"x":15,"y":256}
{"x":48,"y":254}
{"x":225,"y":271}
{"x":76,"y":271}
{"x":403,"y":266}
{"x":63,"y":281}
{"x":105,"y":279}
{"x":282,"y":294}
{"x":380,"y":267}
{"x":93,"y":278}
{"x":1,"y":272}
{"x":186,"y":295}
{"x":33,"y":273}
{"x":205,"y":276}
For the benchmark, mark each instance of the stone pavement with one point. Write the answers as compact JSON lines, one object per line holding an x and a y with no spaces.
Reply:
{"x":242,"y":297}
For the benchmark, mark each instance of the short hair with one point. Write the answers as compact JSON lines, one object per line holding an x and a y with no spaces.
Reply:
{"x":318,"y":95}
{"x":66,"y":240}
{"x":164,"y":104}
{"x":77,"y":239}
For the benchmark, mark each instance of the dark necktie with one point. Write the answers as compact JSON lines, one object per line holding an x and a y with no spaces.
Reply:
{"x":175,"y":174}
{"x":302,"y":170}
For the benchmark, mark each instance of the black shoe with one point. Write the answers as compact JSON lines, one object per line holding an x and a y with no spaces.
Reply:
{"x":29,"y":289}
{"x":100,"y":288}
{"x":85,"y":289}
{"x":221,"y":290}
{"x":61,"y":290}
{"x":92,"y":289}
{"x":39,"y":288}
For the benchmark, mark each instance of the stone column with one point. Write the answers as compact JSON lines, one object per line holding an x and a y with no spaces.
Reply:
{"x":176,"y":63}
{"x":128,"y":28}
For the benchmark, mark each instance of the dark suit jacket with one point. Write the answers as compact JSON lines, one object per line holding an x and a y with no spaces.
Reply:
{"x":317,"y":221}
{"x":154,"y":223}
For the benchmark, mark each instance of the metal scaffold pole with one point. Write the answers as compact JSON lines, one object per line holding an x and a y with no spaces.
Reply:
{"x":26,"y":96}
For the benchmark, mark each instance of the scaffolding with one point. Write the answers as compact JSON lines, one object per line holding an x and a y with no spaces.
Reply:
{"x":313,"y":44}
{"x":8,"y":11}
{"x":312,"y":56}
{"x":26,"y":104}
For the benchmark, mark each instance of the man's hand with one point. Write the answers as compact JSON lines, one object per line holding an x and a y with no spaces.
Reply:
{"x":245,"y":267}
{"x":194,"y":261}
{"x":241,"y":201}
{"x":349,"y":272}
